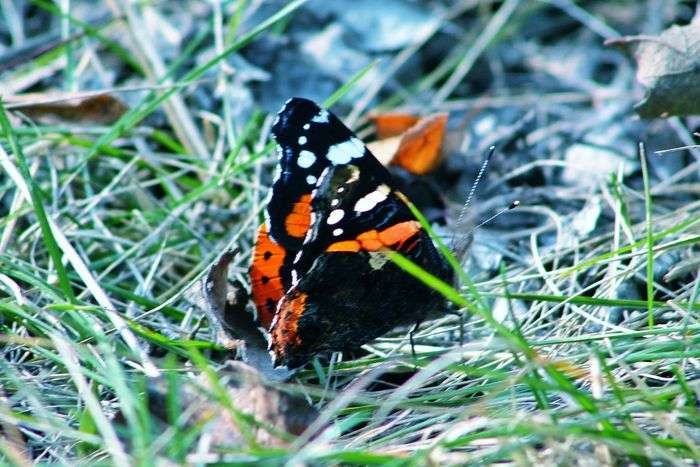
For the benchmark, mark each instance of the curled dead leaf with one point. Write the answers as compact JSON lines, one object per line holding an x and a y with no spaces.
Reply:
{"x":226,"y":306}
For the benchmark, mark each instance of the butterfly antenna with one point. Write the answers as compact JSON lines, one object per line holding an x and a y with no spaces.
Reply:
{"x":462,"y":247}
{"x":470,"y":196}
{"x":512,"y":205}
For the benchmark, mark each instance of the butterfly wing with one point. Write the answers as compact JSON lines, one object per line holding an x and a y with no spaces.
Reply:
{"x":310,"y":140}
{"x":345,"y":291}
{"x":319,"y":279}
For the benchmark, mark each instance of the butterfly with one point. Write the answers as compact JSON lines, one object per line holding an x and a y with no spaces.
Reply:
{"x":320,"y":277}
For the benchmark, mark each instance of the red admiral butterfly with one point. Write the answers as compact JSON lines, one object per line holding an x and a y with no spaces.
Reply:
{"x":320,"y":281}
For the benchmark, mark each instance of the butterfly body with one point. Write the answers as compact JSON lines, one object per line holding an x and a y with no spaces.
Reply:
{"x":321,"y":280}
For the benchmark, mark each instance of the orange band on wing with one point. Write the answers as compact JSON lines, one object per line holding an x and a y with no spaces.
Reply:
{"x":285,"y":331}
{"x":399,"y":233}
{"x":266,"y":283}
{"x":298,"y":220}
{"x":347,"y":245}
{"x":373,"y":240}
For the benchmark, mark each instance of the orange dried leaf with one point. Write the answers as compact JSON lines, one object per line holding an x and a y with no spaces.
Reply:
{"x":419,"y":150}
{"x":392,"y":123}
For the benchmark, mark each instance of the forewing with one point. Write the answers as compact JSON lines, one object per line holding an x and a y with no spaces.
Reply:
{"x":310,"y":140}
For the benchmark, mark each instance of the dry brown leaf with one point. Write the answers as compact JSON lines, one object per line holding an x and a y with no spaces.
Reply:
{"x":285,"y":412}
{"x":668,"y":65}
{"x":102,"y":109}
{"x":280,"y":412}
{"x":226,"y":304}
{"x":414,"y":144}
{"x":419,"y":150}
{"x":392,"y":123}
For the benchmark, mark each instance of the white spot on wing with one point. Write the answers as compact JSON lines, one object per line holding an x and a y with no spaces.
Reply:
{"x":359,"y":146}
{"x":295,"y":277}
{"x":321,"y":117}
{"x":267,"y":218}
{"x":344,"y":152}
{"x":306,"y":126}
{"x":370,"y":200}
{"x":337,"y":232}
{"x":306,"y":159}
{"x":297,"y":257}
{"x":302,"y":140}
{"x":335,"y":202}
{"x":335,"y":216}
{"x":311,"y":180}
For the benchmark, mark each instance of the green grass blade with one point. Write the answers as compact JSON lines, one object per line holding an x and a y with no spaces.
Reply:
{"x":38,"y":205}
